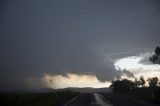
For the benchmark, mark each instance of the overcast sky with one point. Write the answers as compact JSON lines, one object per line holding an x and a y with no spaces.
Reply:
{"x":72,"y":36}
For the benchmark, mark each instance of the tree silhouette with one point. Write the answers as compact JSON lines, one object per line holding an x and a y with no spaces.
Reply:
{"x":153,"y":82}
{"x":156,"y":57}
{"x":137,"y":83}
{"x":122,"y":85}
{"x":142,"y":81}
{"x":159,"y":83}
{"x":129,"y":87}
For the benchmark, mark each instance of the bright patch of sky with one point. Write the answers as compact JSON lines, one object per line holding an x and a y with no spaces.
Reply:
{"x":138,"y":65}
{"x":69,"y":80}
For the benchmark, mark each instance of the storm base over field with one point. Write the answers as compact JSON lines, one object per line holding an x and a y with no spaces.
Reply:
{"x":76,"y":43}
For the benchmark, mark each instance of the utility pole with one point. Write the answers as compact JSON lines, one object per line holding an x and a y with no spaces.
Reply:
{"x":54,"y":89}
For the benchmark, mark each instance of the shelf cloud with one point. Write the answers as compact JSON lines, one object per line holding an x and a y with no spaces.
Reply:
{"x":43,"y":39}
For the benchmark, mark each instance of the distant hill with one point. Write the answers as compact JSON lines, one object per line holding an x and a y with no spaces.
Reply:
{"x":81,"y":90}
{"x":73,"y":89}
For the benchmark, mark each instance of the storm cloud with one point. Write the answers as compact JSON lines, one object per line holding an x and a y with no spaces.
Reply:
{"x":73,"y":36}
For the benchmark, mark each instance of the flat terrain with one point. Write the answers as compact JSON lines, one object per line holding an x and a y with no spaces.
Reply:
{"x":35,"y":99}
{"x":103,"y":99}
{"x":70,"y":99}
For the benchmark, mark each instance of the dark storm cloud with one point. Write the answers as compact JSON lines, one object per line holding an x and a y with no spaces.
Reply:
{"x":43,"y":36}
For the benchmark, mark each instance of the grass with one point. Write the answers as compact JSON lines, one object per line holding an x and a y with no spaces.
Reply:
{"x":145,"y":94}
{"x":38,"y":99}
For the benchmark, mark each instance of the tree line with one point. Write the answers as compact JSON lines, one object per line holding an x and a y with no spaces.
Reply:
{"x":125,"y":84}
{"x":137,"y":87}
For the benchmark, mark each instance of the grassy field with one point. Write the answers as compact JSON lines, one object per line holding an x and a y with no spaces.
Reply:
{"x":38,"y":99}
{"x":145,"y":94}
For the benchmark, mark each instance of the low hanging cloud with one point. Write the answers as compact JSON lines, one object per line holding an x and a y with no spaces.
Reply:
{"x":102,"y":76}
{"x":69,"y":80}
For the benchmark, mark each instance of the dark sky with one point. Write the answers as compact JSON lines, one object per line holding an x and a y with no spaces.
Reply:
{"x":78,"y":36}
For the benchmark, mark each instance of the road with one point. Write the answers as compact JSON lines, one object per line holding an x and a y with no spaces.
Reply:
{"x":99,"y":99}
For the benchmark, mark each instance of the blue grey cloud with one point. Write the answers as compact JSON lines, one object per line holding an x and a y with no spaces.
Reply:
{"x":59,"y":36}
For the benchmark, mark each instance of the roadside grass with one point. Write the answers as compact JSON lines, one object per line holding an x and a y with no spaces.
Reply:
{"x":37,"y":99}
{"x":145,"y":93}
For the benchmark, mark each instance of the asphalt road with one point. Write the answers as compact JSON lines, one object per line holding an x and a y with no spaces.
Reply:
{"x":99,"y":99}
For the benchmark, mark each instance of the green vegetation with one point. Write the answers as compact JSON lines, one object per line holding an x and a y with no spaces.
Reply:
{"x":38,"y":99}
